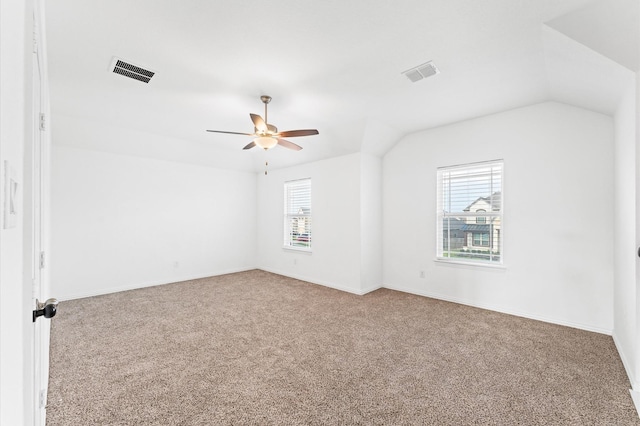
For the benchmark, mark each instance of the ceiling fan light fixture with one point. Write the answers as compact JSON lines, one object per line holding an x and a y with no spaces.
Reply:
{"x":266,"y":142}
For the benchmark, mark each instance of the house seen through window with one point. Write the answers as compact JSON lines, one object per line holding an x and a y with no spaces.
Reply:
{"x":470,"y":201}
{"x":297,"y":214}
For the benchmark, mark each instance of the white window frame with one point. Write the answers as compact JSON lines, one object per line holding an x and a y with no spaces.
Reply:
{"x":493,"y":172}
{"x":294,"y":239}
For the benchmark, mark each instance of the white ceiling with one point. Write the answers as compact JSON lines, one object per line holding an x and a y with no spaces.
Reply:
{"x":333,"y":65}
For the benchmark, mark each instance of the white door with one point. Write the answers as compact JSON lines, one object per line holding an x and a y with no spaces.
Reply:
{"x":38,"y":157}
{"x":36,"y":231}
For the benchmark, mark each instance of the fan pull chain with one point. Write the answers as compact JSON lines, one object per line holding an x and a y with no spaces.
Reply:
{"x":266,"y":162}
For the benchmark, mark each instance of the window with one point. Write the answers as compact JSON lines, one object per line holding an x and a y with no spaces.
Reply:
{"x":297,"y":214}
{"x":481,"y":239}
{"x":470,"y":200}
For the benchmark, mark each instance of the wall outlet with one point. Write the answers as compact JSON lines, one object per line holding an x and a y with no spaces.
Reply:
{"x":421,"y":274}
{"x":176,"y":264}
{"x":295,"y":261}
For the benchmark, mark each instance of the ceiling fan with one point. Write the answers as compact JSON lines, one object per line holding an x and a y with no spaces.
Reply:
{"x":266,"y":135}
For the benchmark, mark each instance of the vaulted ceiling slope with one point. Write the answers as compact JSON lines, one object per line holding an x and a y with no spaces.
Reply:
{"x":331,"y":65}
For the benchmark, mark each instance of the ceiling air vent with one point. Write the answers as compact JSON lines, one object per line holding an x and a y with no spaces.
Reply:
{"x":127,"y":69}
{"x":421,"y":71}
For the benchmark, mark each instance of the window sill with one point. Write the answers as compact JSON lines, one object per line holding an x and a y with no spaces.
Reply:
{"x":476,"y":264}
{"x":299,"y":249}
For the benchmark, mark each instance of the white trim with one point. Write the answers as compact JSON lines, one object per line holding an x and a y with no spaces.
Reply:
{"x":370,"y":289}
{"x":298,"y":180}
{"x":213,"y":274}
{"x":635,"y":387}
{"x":300,"y":249}
{"x":625,"y":362}
{"x":635,"y":396}
{"x":500,"y":309}
{"x":466,"y":165}
{"x":449,"y":261}
{"x":135,"y":286}
{"x":322,"y":283}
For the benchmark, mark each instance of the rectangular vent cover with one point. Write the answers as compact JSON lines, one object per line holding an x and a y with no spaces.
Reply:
{"x":421,"y":71}
{"x":127,"y":69}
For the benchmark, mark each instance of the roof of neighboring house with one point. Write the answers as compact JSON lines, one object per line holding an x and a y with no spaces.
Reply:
{"x":494,"y":200}
{"x":474,"y":227}
{"x":455,"y":224}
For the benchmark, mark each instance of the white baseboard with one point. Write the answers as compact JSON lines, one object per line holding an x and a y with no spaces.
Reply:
{"x":503,"y":310}
{"x":370,"y":289}
{"x":635,"y":396}
{"x":322,"y":282}
{"x":625,"y":362}
{"x":134,"y":286}
{"x":360,"y":292}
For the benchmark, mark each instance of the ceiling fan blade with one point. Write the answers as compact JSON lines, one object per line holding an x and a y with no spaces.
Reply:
{"x":259,"y":123}
{"x":289,"y":145}
{"x":230,"y":133}
{"x":250,"y":145}
{"x":295,"y":133}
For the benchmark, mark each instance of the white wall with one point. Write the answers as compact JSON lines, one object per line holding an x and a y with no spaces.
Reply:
{"x":558,"y":214}
{"x":625,"y":309}
{"x":123,"y":222}
{"x":336,"y":207}
{"x":81,"y":133}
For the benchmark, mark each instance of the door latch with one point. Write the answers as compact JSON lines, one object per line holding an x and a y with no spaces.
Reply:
{"x":46,"y":309}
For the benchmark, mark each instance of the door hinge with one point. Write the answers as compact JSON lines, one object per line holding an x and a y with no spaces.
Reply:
{"x":42,"y":121}
{"x":41,"y":260}
{"x":42,"y":398}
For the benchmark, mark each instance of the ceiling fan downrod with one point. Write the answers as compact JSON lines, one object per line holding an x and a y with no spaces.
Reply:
{"x":265,"y":99}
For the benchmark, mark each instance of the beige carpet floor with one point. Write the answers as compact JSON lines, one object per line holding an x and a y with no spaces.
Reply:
{"x":255,"y":348}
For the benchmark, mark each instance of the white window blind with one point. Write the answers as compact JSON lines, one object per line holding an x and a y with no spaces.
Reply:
{"x":297,"y":214}
{"x":470,"y":210}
